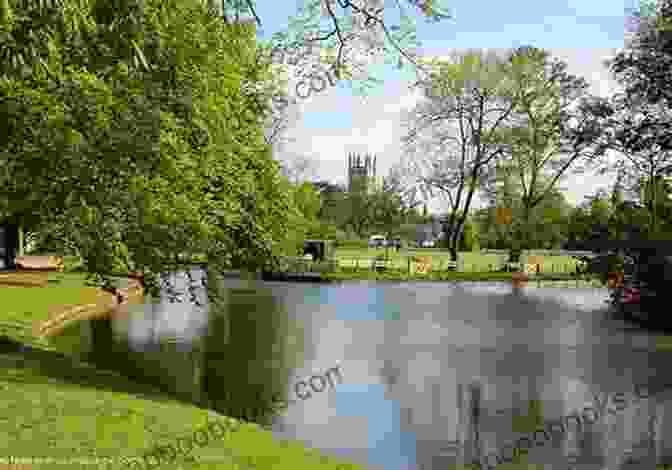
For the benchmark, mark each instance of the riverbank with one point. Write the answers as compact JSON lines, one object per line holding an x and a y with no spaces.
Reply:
{"x":31,"y":312}
{"x":65,"y":410}
{"x":560,"y":279}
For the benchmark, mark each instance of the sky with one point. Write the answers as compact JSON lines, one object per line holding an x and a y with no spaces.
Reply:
{"x":583,"y":33}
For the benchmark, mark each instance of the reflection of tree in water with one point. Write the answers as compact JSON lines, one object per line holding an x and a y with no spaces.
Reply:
{"x":248,"y":353}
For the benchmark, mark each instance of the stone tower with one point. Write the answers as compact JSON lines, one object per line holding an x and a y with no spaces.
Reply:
{"x":361,"y":172}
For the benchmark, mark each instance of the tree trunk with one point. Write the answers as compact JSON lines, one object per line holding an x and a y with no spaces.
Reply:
{"x":21,"y":242}
{"x":452,"y":241}
{"x":521,"y":238}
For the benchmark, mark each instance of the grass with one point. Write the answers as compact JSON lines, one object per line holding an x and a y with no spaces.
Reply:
{"x":23,"y":306}
{"x":354,"y":264}
{"x":468,"y":261}
{"x":59,"y":408}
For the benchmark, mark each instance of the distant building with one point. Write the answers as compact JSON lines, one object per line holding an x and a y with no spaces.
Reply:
{"x":327,"y":187}
{"x":361,"y":173}
{"x":430,"y":232}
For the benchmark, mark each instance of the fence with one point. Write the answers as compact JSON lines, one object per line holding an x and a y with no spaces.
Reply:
{"x":441,"y":264}
{"x":426,"y":265}
{"x":423,"y":264}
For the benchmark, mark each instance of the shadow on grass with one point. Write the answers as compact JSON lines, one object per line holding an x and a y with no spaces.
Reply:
{"x":55,"y":367}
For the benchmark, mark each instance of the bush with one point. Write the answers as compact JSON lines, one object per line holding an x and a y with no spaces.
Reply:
{"x":353,"y":244}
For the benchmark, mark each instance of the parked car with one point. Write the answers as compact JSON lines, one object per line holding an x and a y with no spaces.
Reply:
{"x":428,"y":244}
{"x":377,"y":241}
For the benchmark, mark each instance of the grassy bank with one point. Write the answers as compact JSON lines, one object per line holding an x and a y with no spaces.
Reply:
{"x":23,"y":306}
{"x":61,"y":409}
{"x":454,"y":276}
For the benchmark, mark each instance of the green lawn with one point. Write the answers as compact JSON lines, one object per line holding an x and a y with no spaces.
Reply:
{"x":22,"y":306}
{"x":469,"y":261}
{"x":59,"y":408}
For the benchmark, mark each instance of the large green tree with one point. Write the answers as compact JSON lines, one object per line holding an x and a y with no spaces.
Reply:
{"x":391,"y":205}
{"x":141,"y":163}
{"x":450,"y":142}
{"x":643,"y":65}
{"x":552,"y":129}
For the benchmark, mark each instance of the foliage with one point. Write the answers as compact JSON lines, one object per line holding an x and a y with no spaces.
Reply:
{"x":547,"y":221}
{"x":343,"y":39}
{"x":309,"y":205}
{"x":449,"y":145}
{"x":640,"y":131}
{"x":359,"y":212}
{"x":470,"y":239}
{"x":357,"y":243}
{"x":641,"y":117}
{"x":548,"y":132}
{"x":391,"y":205}
{"x":643,"y":66}
{"x":351,"y":33}
{"x":140,"y":163}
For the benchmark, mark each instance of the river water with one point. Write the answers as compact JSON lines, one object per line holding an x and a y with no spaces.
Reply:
{"x":430,"y":373}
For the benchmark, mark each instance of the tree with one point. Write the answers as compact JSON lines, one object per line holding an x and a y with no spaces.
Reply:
{"x":504,"y":195}
{"x":137,"y":163}
{"x":360,"y":212}
{"x":556,"y":125}
{"x":333,"y":209}
{"x":643,"y":66}
{"x":450,"y":142}
{"x":299,"y":169}
{"x":547,"y":221}
{"x":391,"y":204}
{"x":640,"y":132}
{"x":655,"y":196}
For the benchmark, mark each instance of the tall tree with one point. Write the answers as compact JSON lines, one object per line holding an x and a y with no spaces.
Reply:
{"x":450,"y":144}
{"x":640,"y":132}
{"x":643,"y":66}
{"x":136,"y":161}
{"x":555,"y":126}
{"x":392,"y":203}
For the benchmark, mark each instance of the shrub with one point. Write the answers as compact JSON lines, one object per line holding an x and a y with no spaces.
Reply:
{"x":353,"y":244}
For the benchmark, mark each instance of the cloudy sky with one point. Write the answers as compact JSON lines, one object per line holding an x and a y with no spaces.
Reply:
{"x":581,"y":32}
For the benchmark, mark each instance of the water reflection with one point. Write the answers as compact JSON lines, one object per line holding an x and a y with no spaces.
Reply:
{"x":234,"y":356}
{"x":433,"y":373}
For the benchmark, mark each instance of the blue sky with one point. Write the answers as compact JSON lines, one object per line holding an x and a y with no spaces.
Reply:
{"x":581,"y":32}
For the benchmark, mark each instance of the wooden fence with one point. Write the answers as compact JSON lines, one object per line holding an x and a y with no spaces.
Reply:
{"x":423,"y":264}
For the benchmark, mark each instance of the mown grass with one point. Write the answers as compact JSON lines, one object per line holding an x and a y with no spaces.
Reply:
{"x":21,"y":307}
{"x":468,"y":261}
{"x":54,"y":407}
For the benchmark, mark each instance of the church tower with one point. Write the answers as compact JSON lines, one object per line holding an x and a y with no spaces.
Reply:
{"x":361,"y":172}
